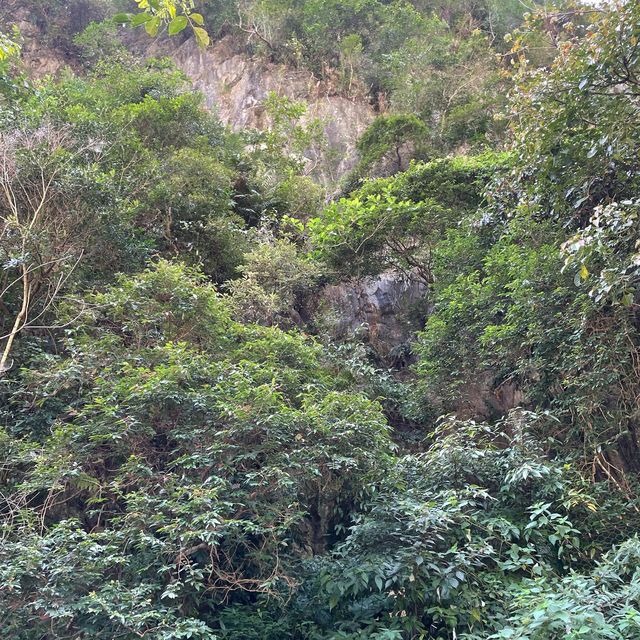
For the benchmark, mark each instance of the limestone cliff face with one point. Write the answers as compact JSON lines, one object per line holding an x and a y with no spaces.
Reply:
{"x":39,"y":60}
{"x":377,"y":309}
{"x":235,"y":85}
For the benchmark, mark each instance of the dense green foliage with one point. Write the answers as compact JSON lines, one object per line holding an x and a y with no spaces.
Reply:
{"x":398,"y":222}
{"x":188,"y":452}
{"x":415,"y":57}
{"x":550,"y":304}
{"x":241,"y":425}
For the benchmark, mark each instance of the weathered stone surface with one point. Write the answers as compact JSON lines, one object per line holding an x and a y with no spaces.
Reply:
{"x":375,"y":308}
{"x":40,"y":61}
{"x":236,"y":85}
{"x":481,"y":399}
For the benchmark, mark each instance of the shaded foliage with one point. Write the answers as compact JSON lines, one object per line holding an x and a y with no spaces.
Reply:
{"x":180,"y":461}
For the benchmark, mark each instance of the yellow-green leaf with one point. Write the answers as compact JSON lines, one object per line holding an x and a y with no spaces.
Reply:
{"x":140,"y":18}
{"x":122,"y":18}
{"x":152,"y":26}
{"x":202,"y":37}
{"x":177,"y":25}
{"x":584,"y":272}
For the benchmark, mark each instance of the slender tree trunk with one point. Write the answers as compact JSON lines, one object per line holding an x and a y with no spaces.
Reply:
{"x":19,"y":321}
{"x":399,"y":157}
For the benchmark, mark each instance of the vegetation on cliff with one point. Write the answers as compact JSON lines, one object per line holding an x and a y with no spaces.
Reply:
{"x":187,"y":452}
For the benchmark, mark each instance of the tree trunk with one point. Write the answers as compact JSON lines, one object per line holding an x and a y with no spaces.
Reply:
{"x":19,"y":321}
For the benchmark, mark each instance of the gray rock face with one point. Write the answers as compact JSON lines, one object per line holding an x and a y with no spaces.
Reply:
{"x":375,"y":308}
{"x":235,"y":86}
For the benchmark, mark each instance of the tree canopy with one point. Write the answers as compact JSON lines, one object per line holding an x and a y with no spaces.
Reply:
{"x":188,"y":450}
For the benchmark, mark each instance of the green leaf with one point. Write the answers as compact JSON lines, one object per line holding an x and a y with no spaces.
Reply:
{"x":197,"y":18}
{"x":202,"y":37}
{"x":152,"y":26}
{"x":584,"y":272}
{"x":122,"y":18}
{"x":177,"y":25}
{"x":141,"y":18}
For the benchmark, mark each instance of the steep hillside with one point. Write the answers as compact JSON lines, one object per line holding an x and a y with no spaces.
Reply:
{"x":435,"y":66}
{"x":236,"y":86}
{"x":319,"y":320}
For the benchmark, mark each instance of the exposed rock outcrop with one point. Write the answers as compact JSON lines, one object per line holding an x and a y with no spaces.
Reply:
{"x":236,"y":85}
{"x":375,"y":308}
{"x":39,"y":60}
